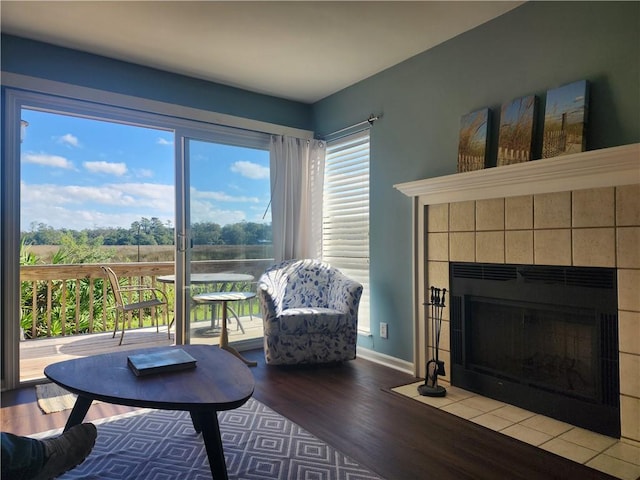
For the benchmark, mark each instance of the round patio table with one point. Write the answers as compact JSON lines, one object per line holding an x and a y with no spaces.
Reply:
{"x":212,"y":279}
{"x":223,"y":298}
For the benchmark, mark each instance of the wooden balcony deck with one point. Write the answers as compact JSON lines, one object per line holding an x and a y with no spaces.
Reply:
{"x":37,"y":354}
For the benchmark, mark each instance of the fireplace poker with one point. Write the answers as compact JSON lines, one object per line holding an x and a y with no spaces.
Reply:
{"x":435,"y":366}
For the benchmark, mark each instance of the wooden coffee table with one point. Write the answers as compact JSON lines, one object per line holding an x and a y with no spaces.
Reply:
{"x":219,"y":382}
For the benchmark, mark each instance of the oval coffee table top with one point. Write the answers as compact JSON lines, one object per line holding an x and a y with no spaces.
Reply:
{"x":220,"y":381}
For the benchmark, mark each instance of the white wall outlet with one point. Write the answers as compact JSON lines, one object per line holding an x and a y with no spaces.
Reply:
{"x":384,"y":332}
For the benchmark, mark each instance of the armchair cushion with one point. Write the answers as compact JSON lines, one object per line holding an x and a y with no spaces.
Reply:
{"x":300,"y":321}
{"x":310,"y":313}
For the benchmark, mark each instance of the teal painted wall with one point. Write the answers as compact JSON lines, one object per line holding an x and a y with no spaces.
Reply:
{"x":538,"y":46}
{"x":535,"y":47}
{"x":43,"y":60}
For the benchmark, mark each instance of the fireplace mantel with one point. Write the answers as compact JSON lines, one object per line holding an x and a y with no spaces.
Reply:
{"x":593,"y":169}
{"x":459,"y":218}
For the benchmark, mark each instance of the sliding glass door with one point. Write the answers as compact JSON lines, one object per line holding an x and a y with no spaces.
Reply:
{"x":89,"y":178}
{"x":93,"y":192}
{"x":228,"y":220}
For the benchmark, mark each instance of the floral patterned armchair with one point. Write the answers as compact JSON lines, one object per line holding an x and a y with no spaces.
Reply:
{"x":310,"y":313}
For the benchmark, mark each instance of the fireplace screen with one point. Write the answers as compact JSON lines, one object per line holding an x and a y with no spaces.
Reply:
{"x":544,"y":338}
{"x":548,"y":347}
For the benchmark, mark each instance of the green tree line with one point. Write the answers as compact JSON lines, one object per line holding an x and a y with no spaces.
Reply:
{"x":150,"y":232}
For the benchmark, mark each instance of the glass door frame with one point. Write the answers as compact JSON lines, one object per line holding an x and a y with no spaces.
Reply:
{"x":15,"y":101}
{"x":138,"y":112}
{"x":219,"y":135}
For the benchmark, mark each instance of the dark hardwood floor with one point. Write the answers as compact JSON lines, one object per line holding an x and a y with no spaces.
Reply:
{"x":350,"y":407}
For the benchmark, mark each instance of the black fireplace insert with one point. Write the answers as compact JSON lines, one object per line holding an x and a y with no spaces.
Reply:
{"x":544,"y":338}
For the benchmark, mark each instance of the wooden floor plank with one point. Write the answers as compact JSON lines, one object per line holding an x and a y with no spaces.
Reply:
{"x":350,"y":407}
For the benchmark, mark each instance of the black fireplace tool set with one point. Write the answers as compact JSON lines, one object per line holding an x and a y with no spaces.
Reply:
{"x":435,"y":366}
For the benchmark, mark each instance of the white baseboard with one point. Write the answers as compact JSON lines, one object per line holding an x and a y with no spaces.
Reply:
{"x":364,"y":353}
{"x":248,"y":344}
{"x":386,"y":360}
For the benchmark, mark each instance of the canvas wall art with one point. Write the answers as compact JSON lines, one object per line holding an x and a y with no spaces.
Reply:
{"x":515,"y":138}
{"x":565,"y":119}
{"x":472,"y":145}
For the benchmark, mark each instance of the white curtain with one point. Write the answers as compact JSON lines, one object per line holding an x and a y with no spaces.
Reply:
{"x":297,"y":175}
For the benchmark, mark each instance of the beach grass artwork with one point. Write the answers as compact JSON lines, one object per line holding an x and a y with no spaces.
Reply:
{"x":515,"y":139}
{"x":472,"y":145}
{"x":565,"y":120}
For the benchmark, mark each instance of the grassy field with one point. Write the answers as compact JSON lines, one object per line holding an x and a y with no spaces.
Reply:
{"x":166,"y":253}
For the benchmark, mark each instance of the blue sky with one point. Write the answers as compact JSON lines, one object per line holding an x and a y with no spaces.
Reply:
{"x":78,"y":173}
{"x":570,"y":99}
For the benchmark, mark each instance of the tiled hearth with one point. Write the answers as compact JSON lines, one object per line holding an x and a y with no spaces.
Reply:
{"x":617,"y":458}
{"x":577,"y":210}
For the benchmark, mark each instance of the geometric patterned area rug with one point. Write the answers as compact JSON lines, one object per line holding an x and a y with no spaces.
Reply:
{"x":259,"y":444}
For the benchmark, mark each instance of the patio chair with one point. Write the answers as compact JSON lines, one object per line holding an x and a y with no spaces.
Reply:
{"x":310,"y":313}
{"x":133,"y":297}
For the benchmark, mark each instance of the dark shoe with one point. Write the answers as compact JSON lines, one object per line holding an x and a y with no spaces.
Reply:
{"x":67,"y":451}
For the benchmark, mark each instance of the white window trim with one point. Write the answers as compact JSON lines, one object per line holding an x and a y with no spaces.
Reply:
{"x":51,"y":87}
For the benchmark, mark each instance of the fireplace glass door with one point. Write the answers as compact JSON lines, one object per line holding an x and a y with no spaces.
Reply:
{"x":551,"y":348}
{"x":541,"y":337}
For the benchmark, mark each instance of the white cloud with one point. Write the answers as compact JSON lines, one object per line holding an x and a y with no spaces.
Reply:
{"x":250,"y":170}
{"x":78,"y":207}
{"x":103,"y":195}
{"x":163,"y":141}
{"x":206,"y":212}
{"x":40,"y":196}
{"x":47,"y":160}
{"x":221,"y":197}
{"x":57,"y":216}
{"x":69,"y":139}
{"x":118,"y":205}
{"x":73,"y":194}
{"x":144,"y":172}
{"x":159,"y":198}
{"x":204,"y":207}
{"x":110,"y":168}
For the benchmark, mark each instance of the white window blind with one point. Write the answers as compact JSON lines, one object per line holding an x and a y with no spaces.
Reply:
{"x":345,"y":223}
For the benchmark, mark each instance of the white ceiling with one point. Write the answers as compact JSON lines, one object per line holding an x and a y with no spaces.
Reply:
{"x":301,"y":51}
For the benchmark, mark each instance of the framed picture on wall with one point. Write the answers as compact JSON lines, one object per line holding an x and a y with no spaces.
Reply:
{"x":565,"y":120}
{"x":472,"y":145}
{"x":515,"y":138}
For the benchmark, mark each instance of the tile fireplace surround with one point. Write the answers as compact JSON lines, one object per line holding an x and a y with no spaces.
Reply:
{"x":578,"y":210}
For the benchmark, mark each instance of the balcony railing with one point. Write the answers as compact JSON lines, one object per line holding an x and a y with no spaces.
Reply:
{"x":61,"y":300}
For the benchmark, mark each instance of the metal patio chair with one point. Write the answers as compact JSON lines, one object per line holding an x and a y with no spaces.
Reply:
{"x":134,"y":297}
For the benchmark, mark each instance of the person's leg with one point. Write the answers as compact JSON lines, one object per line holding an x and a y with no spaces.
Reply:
{"x":22,"y":457}
{"x":67,"y":451}
{"x":25,"y":458}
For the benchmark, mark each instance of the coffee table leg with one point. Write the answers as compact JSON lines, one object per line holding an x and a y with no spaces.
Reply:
{"x":196,"y":421}
{"x":80,"y":409}
{"x":208,"y":423}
